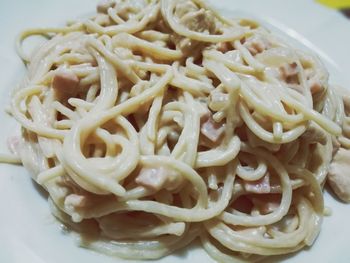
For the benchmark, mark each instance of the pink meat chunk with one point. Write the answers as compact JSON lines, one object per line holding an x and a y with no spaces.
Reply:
{"x":153,"y":178}
{"x":212,"y":129}
{"x":65,"y":81}
{"x":339,"y":176}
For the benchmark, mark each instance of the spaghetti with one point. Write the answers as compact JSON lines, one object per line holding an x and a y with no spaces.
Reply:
{"x":154,"y":123}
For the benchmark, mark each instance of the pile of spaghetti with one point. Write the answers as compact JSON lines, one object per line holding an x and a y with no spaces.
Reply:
{"x":154,"y":123}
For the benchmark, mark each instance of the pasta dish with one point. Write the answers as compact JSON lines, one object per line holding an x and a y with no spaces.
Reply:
{"x":153,"y":123}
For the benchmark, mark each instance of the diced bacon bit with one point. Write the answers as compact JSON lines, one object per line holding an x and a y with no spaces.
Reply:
{"x":223,"y":47}
{"x":267,"y":203}
{"x":103,"y":5}
{"x":261,"y":186}
{"x":153,"y":178}
{"x":289,"y":73}
{"x":256,"y":44}
{"x":339,"y":176}
{"x":14,"y":144}
{"x":65,"y":81}
{"x":315,"y":134}
{"x":75,"y":201}
{"x":212,"y":129}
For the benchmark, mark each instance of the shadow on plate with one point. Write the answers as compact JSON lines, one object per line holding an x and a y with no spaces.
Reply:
{"x":40,"y":190}
{"x":182,"y":253}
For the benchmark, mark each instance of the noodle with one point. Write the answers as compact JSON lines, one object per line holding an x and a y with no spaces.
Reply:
{"x":153,"y":123}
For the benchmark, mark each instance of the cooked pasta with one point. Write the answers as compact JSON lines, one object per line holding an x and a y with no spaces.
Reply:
{"x":157,"y":122}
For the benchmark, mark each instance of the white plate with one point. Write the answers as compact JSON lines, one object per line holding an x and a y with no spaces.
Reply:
{"x":28,"y":232}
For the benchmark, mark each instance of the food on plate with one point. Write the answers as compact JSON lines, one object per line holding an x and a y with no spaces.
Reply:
{"x":154,"y":123}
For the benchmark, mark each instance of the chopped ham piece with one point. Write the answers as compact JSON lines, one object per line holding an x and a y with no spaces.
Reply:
{"x":103,"y":5}
{"x":156,"y":178}
{"x":74,"y":201}
{"x":212,"y":129}
{"x":65,"y":81}
{"x":315,"y":134}
{"x":289,"y":73}
{"x":261,"y":186}
{"x":256,"y":44}
{"x":153,"y":178}
{"x":339,"y":175}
